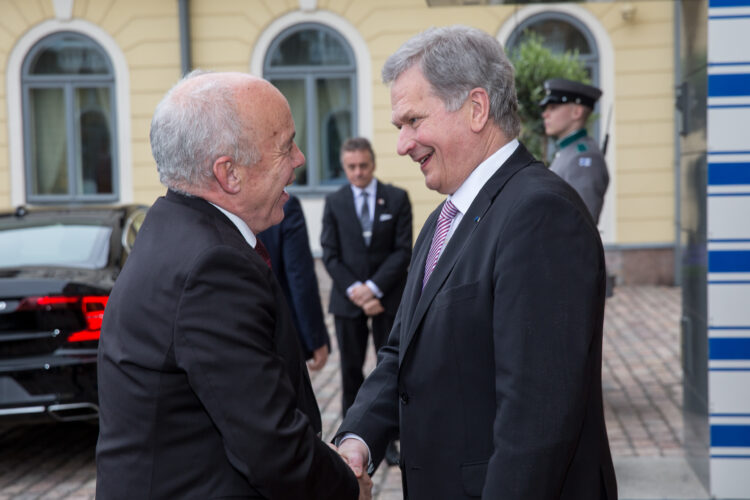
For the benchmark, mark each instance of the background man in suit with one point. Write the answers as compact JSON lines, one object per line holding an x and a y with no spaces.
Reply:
{"x":202,"y":387}
{"x":492,"y":372}
{"x":566,"y":108}
{"x":292,"y":263}
{"x":366,"y":240}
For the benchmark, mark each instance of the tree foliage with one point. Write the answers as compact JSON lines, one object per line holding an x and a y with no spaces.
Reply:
{"x":534,"y":63}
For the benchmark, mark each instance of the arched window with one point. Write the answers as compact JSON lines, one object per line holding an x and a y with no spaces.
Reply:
{"x":561,"y":32}
{"x":68,"y":105}
{"x":314,"y":68}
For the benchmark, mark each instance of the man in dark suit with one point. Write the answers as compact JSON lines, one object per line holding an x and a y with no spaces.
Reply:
{"x":202,"y":387}
{"x":292,"y":263}
{"x":492,"y":373}
{"x":366,"y":240}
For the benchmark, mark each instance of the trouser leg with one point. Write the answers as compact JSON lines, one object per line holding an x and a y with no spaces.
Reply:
{"x":351,"y":334}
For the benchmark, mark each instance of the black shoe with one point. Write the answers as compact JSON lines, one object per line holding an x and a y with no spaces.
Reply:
{"x":391,"y":454}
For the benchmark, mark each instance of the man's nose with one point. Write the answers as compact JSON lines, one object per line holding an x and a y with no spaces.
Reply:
{"x":300,"y":160}
{"x":405,"y":141}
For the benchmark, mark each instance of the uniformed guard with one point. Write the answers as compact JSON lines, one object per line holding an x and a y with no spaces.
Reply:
{"x":565,"y":109}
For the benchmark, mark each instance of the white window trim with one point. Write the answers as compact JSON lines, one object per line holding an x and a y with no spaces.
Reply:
{"x":353,"y":38}
{"x":15,"y":109}
{"x":607,"y":221}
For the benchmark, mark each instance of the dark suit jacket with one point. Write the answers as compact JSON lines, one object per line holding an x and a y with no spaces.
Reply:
{"x":293,"y":265}
{"x":492,"y":374}
{"x":203,"y":391}
{"x":348,"y":259}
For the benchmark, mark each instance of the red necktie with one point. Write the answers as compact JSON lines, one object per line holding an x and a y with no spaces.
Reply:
{"x":445,"y":219}
{"x":262,"y":251}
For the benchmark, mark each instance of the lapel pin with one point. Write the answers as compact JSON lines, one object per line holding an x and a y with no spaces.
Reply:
{"x":476,"y":219}
{"x":381,"y":201}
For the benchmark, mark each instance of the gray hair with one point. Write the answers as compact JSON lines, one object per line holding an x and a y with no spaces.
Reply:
{"x":456,"y":59}
{"x":195,"y":124}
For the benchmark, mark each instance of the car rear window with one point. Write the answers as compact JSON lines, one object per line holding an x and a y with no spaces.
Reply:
{"x":66,"y":245}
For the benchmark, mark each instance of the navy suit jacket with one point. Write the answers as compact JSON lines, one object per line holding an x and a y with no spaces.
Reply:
{"x":492,"y":374}
{"x":203,"y":391}
{"x":293,"y":265}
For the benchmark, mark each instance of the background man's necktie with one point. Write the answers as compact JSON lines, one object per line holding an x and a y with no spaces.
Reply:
{"x":261,"y":249}
{"x":364,"y":219}
{"x":445,"y":218}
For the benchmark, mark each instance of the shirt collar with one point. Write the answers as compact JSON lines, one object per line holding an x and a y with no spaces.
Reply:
{"x":370,"y":189}
{"x":571,"y":138}
{"x":243,"y":228}
{"x":466,"y":192}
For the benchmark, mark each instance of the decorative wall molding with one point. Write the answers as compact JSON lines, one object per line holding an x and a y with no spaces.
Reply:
{"x":63,"y":9}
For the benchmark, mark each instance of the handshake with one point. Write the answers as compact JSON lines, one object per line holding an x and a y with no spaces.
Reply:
{"x":355,"y":453}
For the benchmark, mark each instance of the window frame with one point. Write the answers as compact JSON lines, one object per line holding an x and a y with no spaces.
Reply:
{"x":69,"y":84}
{"x":309,"y":74}
{"x":590,"y":60}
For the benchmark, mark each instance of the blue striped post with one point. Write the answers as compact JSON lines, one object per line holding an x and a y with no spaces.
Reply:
{"x":728,"y":207}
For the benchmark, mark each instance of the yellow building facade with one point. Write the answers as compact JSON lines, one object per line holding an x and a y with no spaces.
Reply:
{"x":634,"y":66}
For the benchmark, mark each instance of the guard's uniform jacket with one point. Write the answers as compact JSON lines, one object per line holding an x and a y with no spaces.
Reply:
{"x":579,"y":162}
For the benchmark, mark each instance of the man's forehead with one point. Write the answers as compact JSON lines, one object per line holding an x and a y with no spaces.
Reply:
{"x":359,"y":152}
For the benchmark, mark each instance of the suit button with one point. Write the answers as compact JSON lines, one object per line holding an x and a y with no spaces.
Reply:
{"x":404,"y":398}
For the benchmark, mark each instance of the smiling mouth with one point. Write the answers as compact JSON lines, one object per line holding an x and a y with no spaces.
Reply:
{"x":424,"y":159}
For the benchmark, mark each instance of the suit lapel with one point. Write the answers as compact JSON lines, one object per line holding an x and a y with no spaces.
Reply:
{"x":459,"y":241}
{"x":381,"y":205}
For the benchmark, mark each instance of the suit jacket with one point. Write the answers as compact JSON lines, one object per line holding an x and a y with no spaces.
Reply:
{"x":492,"y":374}
{"x":348,"y":259}
{"x":293,"y":265}
{"x":203,"y":391}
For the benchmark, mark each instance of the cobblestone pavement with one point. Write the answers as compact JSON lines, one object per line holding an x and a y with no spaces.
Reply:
{"x":641,"y":373}
{"x":642,"y":393}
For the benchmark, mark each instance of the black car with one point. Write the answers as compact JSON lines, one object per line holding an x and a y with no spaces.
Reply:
{"x":57,"y":267}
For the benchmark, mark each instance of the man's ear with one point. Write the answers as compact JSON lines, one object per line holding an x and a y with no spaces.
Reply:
{"x":227,"y":174}
{"x":579,"y":112}
{"x":480,"y":108}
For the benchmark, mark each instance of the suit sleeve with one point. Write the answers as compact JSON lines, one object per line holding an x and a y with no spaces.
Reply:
{"x":548,"y":308}
{"x":330,"y":241}
{"x":226,"y":332}
{"x":374,"y":414}
{"x":391,"y":271}
{"x":300,"y":273}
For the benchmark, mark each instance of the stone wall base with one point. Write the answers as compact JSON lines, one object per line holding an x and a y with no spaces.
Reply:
{"x":641,"y":266}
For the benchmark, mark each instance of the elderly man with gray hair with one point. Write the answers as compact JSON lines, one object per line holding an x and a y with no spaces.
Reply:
{"x":203,"y":391}
{"x":491,"y":376}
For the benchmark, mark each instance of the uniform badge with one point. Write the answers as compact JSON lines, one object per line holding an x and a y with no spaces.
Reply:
{"x":584,"y":161}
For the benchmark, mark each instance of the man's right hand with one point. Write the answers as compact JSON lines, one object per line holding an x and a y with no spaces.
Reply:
{"x":373,"y":307}
{"x":360,"y":294}
{"x":365,"y":487}
{"x":357,"y":456}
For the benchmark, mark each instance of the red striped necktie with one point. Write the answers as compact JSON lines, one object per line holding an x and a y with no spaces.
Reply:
{"x":261,"y":249}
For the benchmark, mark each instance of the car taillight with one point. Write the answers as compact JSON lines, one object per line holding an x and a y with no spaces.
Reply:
{"x":93,"y":311}
{"x":91,"y":306}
